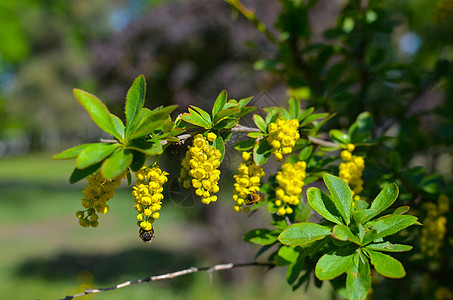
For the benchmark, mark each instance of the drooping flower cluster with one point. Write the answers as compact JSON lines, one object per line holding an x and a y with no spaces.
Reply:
{"x":351,"y":170}
{"x":435,"y":226}
{"x":199,"y":168}
{"x":96,"y":194}
{"x":148,"y":195}
{"x":247,"y":183}
{"x":282,"y":137}
{"x":290,"y":183}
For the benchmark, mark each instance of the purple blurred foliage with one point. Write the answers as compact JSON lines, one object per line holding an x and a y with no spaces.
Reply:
{"x":188,"y":51}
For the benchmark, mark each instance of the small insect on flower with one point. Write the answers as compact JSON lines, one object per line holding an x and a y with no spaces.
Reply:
{"x":146,"y":235}
{"x":254,"y":198}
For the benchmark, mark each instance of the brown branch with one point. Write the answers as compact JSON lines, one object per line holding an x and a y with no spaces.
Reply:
{"x":240,"y":128}
{"x":209,"y":270}
{"x":322,"y":142}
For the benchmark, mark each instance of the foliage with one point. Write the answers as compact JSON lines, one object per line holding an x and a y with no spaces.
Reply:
{"x":147,"y":133}
{"x":378,"y":97}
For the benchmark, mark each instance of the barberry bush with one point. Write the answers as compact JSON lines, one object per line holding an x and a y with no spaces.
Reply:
{"x":339,"y":201}
{"x":353,"y":234}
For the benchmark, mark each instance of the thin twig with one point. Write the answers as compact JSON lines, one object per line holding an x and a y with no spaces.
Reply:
{"x":241,"y":128}
{"x":209,"y":270}
{"x":322,"y":142}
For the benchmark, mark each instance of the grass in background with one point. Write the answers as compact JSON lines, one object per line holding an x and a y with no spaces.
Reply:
{"x":45,"y":254}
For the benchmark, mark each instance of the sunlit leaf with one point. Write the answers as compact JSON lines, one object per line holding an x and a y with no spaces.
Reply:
{"x":72,"y":152}
{"x":98,"y":112}
{"x":386,"y":265}
{"x":323,"y":205}
{"x":94,"y":154}
{"x":303,"y":233}
{"x":219,"y":103}
{"x":135,"y":99}
{"x":260,"y":237}
{"x":341,"y":195}
{"x":333,"y":264}
{"x":117,"y":163}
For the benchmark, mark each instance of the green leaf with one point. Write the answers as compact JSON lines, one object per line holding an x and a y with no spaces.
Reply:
{"x":260,"y":123}
{"x":255,"y":135}
{"x":261,"y":152}
{"x":245,"y":145}
{"x":306,"y":113}
{"x":304,"y":214}
{"x":294,"y":270}
{"x":79,"y":174}
{"x":72,"y":152}
{"x":288,"y":253}
{"x":260,"y":237}
{"x":401,"y":210}
{"x":118,"y":125}
{"x":244,"y":111}
{"x":94,"y":153}
{"x":305,"y":153}
{"x":204,"y":114}
{"x":138,"y":160}
{"x":332,"y":265}
{"x":220,"y":145}
{"x":341,"y":195}
{"x":151,"y":120}
{"x":323,"y":205}
{"x":339,"y":136}
{"x":386,"y":265}
{"x":196,"y":120}
{"x":219,"y":103}
{"x":135,"y":99}
{"x":358,"y":279}
{"x":294,"y":108}
{"x":343,"y":233}
{"x":303,"y":233}
{"x":369,"y":236}
{"x":153,"y":147}
{"x":117,"y":163}
{"x":98,"y":112}
{"x":385,"y":198}
{"x":243,"y":102}
{"x":360,"y":130}
{"x":224,"y":113}
{"x":313,"y":117}
{"x":393,"y":224}
{"x":388,"y":247}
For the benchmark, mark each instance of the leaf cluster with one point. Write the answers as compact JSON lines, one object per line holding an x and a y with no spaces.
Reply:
{"x":353,"y":236}
{"x":142,"y":135}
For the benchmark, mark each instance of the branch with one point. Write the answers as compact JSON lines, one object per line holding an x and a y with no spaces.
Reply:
{"x":209,"y":270}
{"x":240,"y":128}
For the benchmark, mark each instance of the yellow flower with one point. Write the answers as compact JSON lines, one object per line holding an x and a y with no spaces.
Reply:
{"x":282,"y":137}
{"x":351,"y":169}
{"x":199,"y":168}
{"x":147,"y":194}
{"x":96,"y":194}
{"x":248,"y":181}
{"x":434,"y":226}
{"x":211,"y":136}
{"x":290,"y":183}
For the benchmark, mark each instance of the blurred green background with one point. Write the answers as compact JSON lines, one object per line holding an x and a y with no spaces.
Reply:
{"x":47,"y":48}
{"x":188,"y":51}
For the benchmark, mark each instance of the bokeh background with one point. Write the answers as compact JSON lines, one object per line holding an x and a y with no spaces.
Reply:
{"x":188,"y":51}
